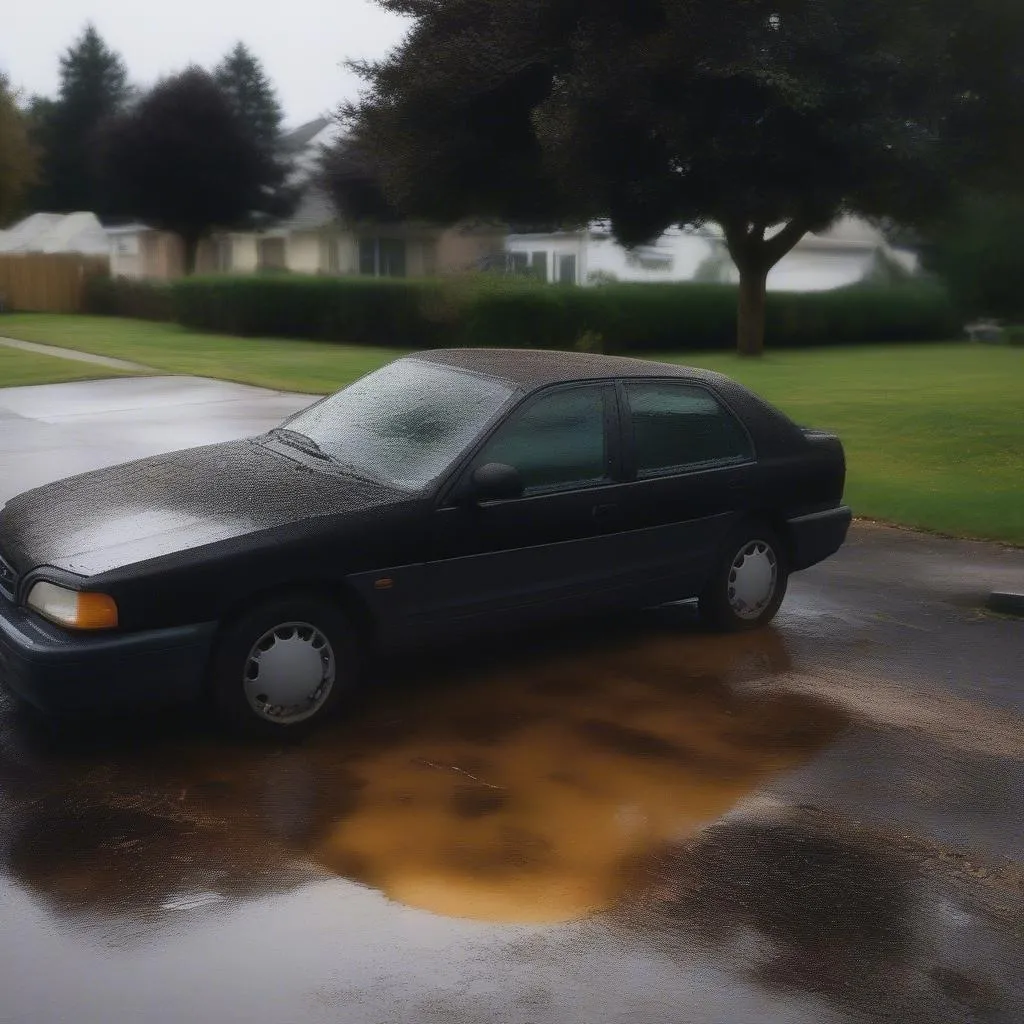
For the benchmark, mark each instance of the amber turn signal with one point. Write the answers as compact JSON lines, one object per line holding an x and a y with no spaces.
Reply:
{"x":76,"y":609}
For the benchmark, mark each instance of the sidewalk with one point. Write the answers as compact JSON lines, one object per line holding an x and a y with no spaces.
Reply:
{"x":69,"y":353}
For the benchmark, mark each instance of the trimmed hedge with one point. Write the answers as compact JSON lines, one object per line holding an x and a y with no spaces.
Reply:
{"x":501,"y":312}
{"x":143,"y":300}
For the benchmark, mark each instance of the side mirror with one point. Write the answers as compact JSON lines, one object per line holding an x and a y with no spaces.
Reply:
{"x":495,"y":481}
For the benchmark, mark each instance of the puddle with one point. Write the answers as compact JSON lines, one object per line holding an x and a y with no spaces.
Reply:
{"x":514,"y":794}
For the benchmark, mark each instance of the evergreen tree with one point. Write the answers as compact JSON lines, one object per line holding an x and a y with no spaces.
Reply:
{"x":251,"y":94}
{"x":93,"y":87}
{"x":251,"y":97}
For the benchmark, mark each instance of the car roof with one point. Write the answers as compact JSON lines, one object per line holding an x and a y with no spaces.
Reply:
{"x":530,"y":369}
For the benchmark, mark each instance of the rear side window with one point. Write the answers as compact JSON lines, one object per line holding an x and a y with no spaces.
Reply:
{"x":677,"y":427}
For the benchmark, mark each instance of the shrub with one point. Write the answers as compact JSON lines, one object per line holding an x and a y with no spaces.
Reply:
{"x":355,"y":310}
{"x":122,"y":296}
{"x":491,"y":311}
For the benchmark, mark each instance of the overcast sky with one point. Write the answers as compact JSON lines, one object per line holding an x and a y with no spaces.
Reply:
{"x":301,"y":42}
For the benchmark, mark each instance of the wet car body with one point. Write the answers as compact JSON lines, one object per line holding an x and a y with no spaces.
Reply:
{"x":184,"y":542}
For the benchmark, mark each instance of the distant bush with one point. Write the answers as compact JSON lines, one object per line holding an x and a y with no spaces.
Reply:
{"x":489,"y":311}
{"x":123,"y":296}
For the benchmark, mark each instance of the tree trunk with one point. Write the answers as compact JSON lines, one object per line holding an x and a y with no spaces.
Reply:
{"x":750,"y":319}
{"x":191,"y":243}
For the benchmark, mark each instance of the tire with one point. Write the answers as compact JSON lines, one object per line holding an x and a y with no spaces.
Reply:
{"x":264,"y":672}
{"x":728,"y":609}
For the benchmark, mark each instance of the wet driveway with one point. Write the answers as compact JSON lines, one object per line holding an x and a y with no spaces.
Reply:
{"x":623,"y":821}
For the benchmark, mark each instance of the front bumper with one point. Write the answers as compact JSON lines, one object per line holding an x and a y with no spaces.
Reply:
{"x":814,"y":537}
{"x":60,"y":671}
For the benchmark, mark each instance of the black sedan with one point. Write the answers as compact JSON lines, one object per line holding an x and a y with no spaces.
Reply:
{"x":460,"y":488}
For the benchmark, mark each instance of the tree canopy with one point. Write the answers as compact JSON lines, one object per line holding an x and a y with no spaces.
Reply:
{"x":770,"y":117}
{"x":182,"y":160}
{"x":17,"y":156}
{"x":93,"y":87}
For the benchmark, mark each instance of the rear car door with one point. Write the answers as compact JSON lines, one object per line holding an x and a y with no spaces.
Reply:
{"x":562,"y":540}
{"x":690,"y":461}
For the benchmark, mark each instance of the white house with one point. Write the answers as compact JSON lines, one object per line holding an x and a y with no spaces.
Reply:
{"x":842,"y":255}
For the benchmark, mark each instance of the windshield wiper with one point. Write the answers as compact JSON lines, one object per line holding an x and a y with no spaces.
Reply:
{"x":302,"y":442}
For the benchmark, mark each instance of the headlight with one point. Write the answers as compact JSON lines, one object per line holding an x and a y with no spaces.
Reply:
{"x":75,"y":608}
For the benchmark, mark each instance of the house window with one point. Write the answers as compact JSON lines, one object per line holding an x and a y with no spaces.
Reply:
{"x":270,"y":254}
{"x":539,"y":263}
{"x":332,"y":262}
{"x":567,"y":268}
{"x":518,"y":262}
{"x":224,"y":248}
{"x":382,"y":257}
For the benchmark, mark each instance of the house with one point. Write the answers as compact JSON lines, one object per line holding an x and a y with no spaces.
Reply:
{"x":844,"y":254}
{"x":313,"y":240}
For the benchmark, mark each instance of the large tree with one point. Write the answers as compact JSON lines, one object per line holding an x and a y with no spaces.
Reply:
{"x":769,"y":117}
{"x":183,"y":161}
{"x":17,"y":156}
{"x":93,"y":87}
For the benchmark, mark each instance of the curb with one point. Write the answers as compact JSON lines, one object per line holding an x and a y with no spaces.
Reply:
{"x":1005,"y":603}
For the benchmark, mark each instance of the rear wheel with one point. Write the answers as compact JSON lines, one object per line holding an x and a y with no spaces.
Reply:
{"x":748,"y":582}
{"x":283,"y":666}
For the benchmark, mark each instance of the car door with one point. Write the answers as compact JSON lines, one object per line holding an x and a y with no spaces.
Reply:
{"x":558,"y":545}
{"x":690,"y":462}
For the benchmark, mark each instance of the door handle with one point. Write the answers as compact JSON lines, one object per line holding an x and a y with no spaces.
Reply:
{"x":602,"y":513}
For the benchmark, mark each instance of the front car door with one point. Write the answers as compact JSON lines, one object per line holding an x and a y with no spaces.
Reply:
{"x":690,"y":461}
{"x":558,"y":545}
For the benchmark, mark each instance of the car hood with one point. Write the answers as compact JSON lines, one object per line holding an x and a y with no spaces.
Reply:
{"x":110,"y":518}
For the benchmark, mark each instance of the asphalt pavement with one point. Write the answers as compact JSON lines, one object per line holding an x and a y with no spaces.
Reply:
{"x":620,"y":820}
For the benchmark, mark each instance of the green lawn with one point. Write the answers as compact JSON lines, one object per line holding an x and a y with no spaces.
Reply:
{"x":20,"y":368}
{"x":934,"y":434}
{"x":307,"y":366}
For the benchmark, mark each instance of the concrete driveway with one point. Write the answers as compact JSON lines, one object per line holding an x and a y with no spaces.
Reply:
{"x":55,"y":430}
{"x":622,"y":821}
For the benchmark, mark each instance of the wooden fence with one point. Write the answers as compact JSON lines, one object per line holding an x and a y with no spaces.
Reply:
{"x":50,"y":283}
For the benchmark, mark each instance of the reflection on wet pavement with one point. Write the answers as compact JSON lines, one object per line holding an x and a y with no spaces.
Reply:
{"x":524,"y":796}
{"x":516,"y":794}
{"x":805,"y":896}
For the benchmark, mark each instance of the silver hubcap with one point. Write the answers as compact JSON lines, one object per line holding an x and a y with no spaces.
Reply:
{"x":752,"y":579}
{"x":289,"y":673}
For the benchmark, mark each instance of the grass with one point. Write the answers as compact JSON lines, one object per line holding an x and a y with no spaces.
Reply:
{"x":22,"y":368}
{"x":285,"y":364}
{"x":934,"y":434}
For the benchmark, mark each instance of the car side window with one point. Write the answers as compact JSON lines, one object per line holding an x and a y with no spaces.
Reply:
{"x":556,"y":441}
{"x":678,"y":427}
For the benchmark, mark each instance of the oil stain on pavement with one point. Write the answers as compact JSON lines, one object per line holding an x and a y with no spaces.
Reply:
{"x":598,"y":828}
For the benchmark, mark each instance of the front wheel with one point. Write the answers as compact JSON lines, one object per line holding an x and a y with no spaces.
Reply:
{"x":282,"y":666}
{"x":748,"y":582}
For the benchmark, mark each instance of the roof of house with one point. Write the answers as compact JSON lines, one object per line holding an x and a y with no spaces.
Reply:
{"x":56,"y":233}
{"x":298,"y":138}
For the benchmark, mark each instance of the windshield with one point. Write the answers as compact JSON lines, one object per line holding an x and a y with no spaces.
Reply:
{"x":405,"y":423}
